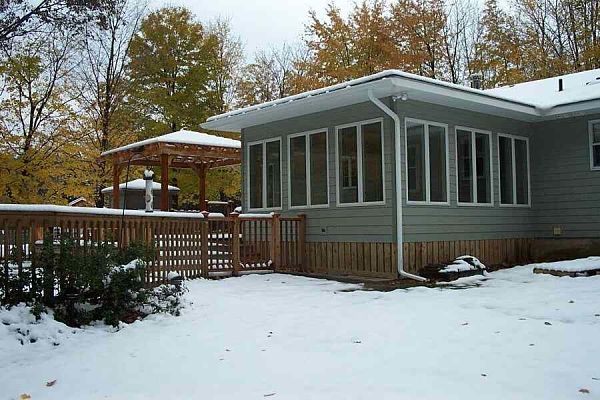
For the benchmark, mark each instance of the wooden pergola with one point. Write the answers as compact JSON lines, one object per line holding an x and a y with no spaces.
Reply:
{"x":182,"y":149}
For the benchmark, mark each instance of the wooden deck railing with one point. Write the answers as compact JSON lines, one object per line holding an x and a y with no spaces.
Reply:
{"x":191,"y":244}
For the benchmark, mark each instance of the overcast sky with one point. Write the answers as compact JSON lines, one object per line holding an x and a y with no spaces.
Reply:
{"x":259,"y":23}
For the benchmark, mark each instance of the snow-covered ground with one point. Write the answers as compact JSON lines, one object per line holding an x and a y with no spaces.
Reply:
{"x":511,"y":335}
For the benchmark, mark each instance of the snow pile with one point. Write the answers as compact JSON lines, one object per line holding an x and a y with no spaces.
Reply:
{"x":579,"y":265}
{"x":19,"y":327}
{"x":464,"y":263}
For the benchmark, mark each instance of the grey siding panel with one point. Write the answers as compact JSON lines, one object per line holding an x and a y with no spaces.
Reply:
{"x":348,"y":224}
{"x":565,"y":190}
{"x":453,"y":222}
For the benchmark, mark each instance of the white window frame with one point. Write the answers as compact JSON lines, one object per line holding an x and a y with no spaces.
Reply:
{"x":593,"y":144}
{"x":307,"y":160}
{"x":514,"y":169}
{"x":264,"y":174}
{"x":427,"y":200}
{"x":359,"y":163}
{"x":473,"y":132}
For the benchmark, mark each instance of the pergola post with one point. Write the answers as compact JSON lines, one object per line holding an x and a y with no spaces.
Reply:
{"x":164,"y":182}
{"x":116,"y":178}
{"x":201,"y":171}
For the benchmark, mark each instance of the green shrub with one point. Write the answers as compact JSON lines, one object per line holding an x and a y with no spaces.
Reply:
{"x":85,"y":282}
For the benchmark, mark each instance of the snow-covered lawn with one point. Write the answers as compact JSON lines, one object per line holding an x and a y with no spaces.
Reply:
{"x":515,"y":335}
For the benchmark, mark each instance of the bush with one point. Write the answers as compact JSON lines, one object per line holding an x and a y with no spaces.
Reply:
{"x":84,"y":283}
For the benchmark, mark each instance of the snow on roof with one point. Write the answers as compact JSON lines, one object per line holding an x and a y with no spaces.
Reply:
{"x":139,"y":184}
{"x":391,"y":73}
{"x":537,"y":96}
{"x":544,"y":93}
{"x":183,"y":136}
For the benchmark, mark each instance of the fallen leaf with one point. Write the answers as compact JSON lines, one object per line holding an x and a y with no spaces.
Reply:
{"x":50,"y":383}
{"x":583,"y":390}
{"x":24,"y":396}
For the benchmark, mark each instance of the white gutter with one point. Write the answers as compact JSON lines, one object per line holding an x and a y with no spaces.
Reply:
{"x":397,"y":152}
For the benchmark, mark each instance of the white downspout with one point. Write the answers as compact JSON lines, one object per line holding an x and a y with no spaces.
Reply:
{"x":398,"y":163}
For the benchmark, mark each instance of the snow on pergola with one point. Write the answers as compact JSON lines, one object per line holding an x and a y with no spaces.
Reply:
{"x":182,"y":149}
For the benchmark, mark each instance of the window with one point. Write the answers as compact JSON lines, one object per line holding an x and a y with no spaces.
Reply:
{"x":308,"y":169}
{"x":474,"y":173}
{"x":426,"y":162}
{"x":360,"y":163}
{"x":513,"y":159}
{"x":264,"y":174}
{"x":594,"y":128}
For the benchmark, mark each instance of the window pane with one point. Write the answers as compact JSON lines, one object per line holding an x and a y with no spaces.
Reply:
{"x":596,"y":133}
{"x":437,"y":163}
{"x":273,"y":174}
{"x":256,"y":175}
{"x":372,"y":168}
{"x":482,"y":164}
{"x":596,"y":153}
{"x":318,"y":168}
{"x":415,"y":160}
{"x":465,"y":166}
{"x":506,"y":178}
{"x":298,"y":170}
{"x":522,"y":184}
{"x":348,"y":165}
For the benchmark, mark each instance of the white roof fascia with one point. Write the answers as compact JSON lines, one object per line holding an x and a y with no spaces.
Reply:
{"x":383,"y":84}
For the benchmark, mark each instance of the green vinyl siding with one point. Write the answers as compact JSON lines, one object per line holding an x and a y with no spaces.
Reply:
{"x":565,"y":190}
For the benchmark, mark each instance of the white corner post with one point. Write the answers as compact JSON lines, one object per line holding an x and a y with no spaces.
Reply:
{"x":398,"y":173}
{"x":149,"y":196}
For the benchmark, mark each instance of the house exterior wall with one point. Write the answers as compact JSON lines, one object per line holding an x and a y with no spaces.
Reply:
{"x":423,"y":223}
{"x":373,"y":223}
{"x":566,"y":191}
{"x":420,"y":222}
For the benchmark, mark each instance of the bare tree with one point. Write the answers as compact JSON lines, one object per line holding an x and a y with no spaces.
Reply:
{"x":21,"y":17}
{"x":229,"y":58}
{"x":104,"y":82}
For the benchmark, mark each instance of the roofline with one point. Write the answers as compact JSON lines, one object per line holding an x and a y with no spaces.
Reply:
{"x":364,"y":80}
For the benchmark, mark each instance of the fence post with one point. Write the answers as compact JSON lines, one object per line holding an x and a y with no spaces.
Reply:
{"x":235,"y":242}
{"x":276,"y":241}
{"x":302,"y":241}
{"x":204,"y":231}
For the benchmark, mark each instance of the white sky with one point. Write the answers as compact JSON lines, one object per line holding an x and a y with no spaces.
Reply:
{"x":260,"y":24}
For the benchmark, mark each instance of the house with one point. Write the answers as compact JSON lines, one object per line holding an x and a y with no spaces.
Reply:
{"x":134,"y":192}
{"x":395,"y":171}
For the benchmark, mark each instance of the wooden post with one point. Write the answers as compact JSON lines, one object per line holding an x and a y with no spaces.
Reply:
{"x":201,"y":171}
{"x":204,"y":231}
{"x":276,"y":241}
{"x":235,"y":243}
{"x":301,"y":237}
{"x":164,"y":182}
{"x":115,"y":192}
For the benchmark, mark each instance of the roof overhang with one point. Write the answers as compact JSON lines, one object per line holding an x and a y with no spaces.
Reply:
{"x":387,"y":83}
